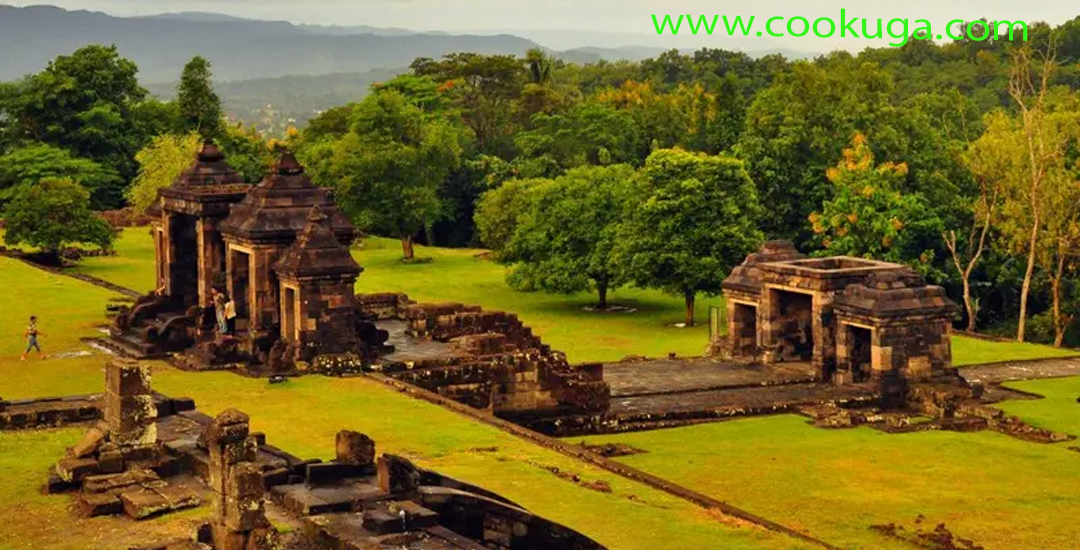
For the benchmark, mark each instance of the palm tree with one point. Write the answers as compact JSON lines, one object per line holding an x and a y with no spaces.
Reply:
{"x":540,"y":66}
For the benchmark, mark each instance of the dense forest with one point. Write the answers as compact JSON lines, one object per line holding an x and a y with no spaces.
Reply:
{"x":959,"y":159}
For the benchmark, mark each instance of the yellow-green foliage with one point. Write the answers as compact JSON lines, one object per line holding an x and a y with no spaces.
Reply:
{"x":160,"y":163}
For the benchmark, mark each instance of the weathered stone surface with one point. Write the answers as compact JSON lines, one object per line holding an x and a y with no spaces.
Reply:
{"x":100,"y":504}
{"x":355,"y":448}
{"x":144,"y":503}
{"x":397,"y":475}
{"x":89,"y":443}
{"x":75,"y":469}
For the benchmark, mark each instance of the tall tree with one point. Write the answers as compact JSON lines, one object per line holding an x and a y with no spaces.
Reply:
{"x":199,"y":105}
{"x":388,"y":169}
{"x":696,"y":219}
{"x":565,"y":241}
{"x":84,"y":102}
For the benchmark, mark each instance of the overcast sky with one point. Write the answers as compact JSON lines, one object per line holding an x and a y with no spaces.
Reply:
{"x":609,"y":16}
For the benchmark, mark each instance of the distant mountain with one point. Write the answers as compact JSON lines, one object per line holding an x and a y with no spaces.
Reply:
{"x":336,"y":30}
{"x":239,"y":49}
{"x":592,"y":54}
{"x":195,"y":17}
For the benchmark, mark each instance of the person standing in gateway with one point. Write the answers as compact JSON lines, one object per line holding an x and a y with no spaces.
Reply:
{"x":230,"y":316}
{"x":31,"y":338}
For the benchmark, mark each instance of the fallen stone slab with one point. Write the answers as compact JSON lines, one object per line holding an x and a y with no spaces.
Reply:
{"x":100,"y":504}
{"x":75,"y":469}
{"x":144,"y":503}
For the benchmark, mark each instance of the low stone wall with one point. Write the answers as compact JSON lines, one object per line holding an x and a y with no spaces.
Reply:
{"x":500,"y":365}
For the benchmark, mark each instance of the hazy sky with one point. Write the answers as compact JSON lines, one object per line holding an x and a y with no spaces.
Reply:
{"x":609,"y":16}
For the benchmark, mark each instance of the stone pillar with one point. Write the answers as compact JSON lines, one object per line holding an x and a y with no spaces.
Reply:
{"x":209,"y":251}
{"x":165,"y":259}
{"x":355,"y":448}
{"x":768,"y":316}
{"x":264,"y":307}
{"x":129,"y":404}
{"x":398,"y":476}
{"x":824,"y":330}
{"x":237,"y":486}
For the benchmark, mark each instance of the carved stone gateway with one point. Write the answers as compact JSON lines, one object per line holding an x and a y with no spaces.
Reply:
{"x":854,"y":320}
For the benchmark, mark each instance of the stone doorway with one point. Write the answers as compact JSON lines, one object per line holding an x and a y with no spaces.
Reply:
{"x":240,"y":286}
{"x":860,"y":339}
{"x":743,"y":330}
{"x":288,"y":314}
{"x":184,"y":263}
{"x":794,"y":325}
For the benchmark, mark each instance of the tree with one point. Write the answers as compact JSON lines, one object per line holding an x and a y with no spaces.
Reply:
{"x":1028,"y":156}
{"x":696,"y":219}
{"x":388,"y":169}
{"x":485,"y":86}
{"x":500,"y":210}
{"x":54,"y":213}
{"x":33,"y":163}
{"x":869,"y":217}
{"x":565,"y":240}
{"x":199,"y":106}
{"x":967,"y":253}
{"x":246,"y":151}
{"x":160,"y":163}
{"x":85,"y":103}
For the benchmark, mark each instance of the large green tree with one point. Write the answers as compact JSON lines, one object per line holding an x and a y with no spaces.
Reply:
{"x":87,"y":103}
{"x":389,"y":168}
{"x":697,"y":218}
{"x":565,"y":241}
{"x":35,"y":162}
{"x":199,"y":105}
{"x":54,"y":213}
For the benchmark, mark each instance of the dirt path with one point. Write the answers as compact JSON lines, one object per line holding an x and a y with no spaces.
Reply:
{"x":1022,"y":370}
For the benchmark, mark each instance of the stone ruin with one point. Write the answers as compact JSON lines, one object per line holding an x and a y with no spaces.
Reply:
{"x":280,"y":249}
{"x":120,"y":466}
{"x":154,"y":455}
{"x":854,"y":320}
{"x":486,"y":359}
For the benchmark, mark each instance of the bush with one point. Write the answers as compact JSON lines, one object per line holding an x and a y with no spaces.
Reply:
{"x":54,"y":213}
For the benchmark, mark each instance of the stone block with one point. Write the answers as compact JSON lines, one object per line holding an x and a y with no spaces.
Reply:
{"x":140,"y":436}
{"x":397,"y":475}
{"x":228,"y":427}
{"x":111,"y":462}
{"x":417,"y":518}
{"x":244,"y":514}
{"x":75,"y":469}
{"x":89,"y":443}
{"x":275,"y":477}
{"x":382,"y":522}
{"x":100,"y":504}
{"x":126,"y":378}
{"x":245,"y":482}
{"x":355,"y":448}
{"x":144,"y":503}
{"x":56,"y":485}
{"x":183,"y":404}
{"x":332,"y":472}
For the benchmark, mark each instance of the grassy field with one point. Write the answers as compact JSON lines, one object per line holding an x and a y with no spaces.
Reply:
{"x":1058,"y":410}
{"x":1003,"y":493}
{"x":998,"y":491}
{"x":303,"y":416}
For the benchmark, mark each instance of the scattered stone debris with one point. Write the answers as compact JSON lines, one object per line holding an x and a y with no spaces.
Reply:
{"x":597,"y":485}
{"x":612,"y":450}
{"x":940,"y":538}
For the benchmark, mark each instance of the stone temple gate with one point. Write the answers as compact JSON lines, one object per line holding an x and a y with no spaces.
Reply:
{"x":854,"y":320}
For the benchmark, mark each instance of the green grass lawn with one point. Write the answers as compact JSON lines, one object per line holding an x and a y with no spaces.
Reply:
{"x":133,"y":266}
{"x":1003,"y":493}
{"x":1058,"y":410}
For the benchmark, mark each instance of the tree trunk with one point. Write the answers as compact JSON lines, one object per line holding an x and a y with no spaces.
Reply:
{"x":601,"y":288}
{"x":1027,"y":280}
{"x":1060,"y":324}
{"x":407,"y":247}
{"x":689,"y":296}
{"x":969,"y":304}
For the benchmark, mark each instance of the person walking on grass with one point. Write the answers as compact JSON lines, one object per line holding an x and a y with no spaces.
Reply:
{"x":31,"y":337}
